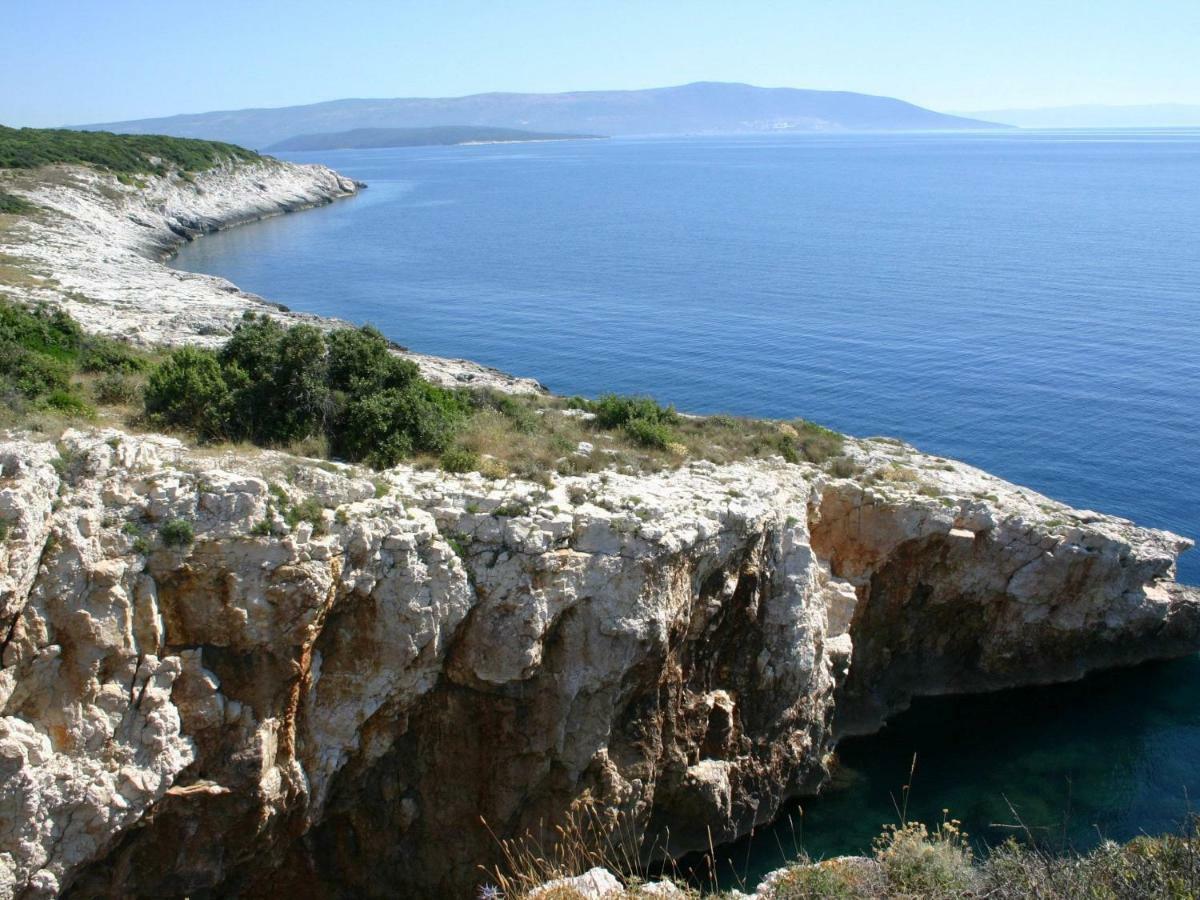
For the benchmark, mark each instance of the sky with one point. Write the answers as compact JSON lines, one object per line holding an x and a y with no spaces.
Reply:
{"x":84,"y":61}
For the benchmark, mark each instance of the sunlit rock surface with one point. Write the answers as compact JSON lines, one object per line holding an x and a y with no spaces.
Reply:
{"x":331,"y":705}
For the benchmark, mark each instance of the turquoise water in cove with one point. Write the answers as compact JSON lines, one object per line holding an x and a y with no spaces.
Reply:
{"x":1025,"y":302}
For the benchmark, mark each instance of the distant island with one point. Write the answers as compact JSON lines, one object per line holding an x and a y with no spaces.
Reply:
{"x":432,"y":136}
{"x":702,"y":108}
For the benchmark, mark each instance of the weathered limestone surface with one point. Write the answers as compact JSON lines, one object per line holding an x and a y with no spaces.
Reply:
{"x":98,"y":244}
{"x":328,"y":708}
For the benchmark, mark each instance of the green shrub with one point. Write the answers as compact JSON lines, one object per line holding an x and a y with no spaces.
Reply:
{"x":459,"y":459}
{"x":188,"y":390}
{"x":67,"y":401}
{"x":289,"y":386}
{"x":642,"y":420}
{"x":42,"y":348}
{"x":278,"y":381}
{"x":31,"y":374}
{"x":385,"y":427}
{"x":13,"y":205}
{"x":367,"y":431}
{"x":307,"y":510}
{"x":41,"y":329}
{"x":647,"y":433}
{"x":177,"y":533}
{"x":614,"y":411}
{"x":362,"y":357}
{"x":99,"y":354}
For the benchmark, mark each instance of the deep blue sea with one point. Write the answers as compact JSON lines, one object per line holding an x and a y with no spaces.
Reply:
{"x":1027,"y":302}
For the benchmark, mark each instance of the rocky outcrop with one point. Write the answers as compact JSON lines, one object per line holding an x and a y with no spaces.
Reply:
{"x":97,"y":244}
{"x":325,"y":689}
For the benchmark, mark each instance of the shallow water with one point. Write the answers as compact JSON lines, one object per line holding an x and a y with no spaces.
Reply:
{"x":1025,"y":302}
{"x":1113,"y":756}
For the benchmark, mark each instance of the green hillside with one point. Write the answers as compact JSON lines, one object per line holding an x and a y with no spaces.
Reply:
{"x":28,"y":148}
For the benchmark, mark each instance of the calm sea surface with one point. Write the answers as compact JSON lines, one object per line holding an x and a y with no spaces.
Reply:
{"x":1029,"y":303}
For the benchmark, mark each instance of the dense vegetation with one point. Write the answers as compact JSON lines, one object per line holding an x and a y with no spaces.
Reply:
{"x":344,"y":394}
{"x":28,"y":148}
{"x":43,"y":353}
{"x":279,"y":386}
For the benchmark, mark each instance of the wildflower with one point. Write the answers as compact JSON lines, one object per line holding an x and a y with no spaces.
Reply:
{"x":490,"y":892}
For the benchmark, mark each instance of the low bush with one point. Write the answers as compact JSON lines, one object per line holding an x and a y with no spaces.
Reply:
{"x":13,"y":205}
{"x":177,"y":533}
{"x":459,"y":459}
{"x":307,"y":510}
{"x":615,"y":411}
{"x":647,"y":433}
{"x":640,"y":419}
{"x":816,"y":443}
{"x":909,"y":862}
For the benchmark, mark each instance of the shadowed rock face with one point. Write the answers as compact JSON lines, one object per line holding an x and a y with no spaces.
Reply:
{"x":331,"y":711}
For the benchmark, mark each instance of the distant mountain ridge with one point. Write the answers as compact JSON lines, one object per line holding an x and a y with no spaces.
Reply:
{"x":437,"y":135}
{"x":1150,"y":115}
{"x":699,"y":108}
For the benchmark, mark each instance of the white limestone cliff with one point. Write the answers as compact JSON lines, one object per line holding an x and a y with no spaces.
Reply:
{"x":340,"y":701}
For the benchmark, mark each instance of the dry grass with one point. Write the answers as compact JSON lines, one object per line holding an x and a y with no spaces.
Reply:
{"x":536,"y":437}
{"x":589,"y":837}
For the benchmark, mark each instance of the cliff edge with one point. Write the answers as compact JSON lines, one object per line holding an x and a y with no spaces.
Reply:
{"x":328,"y":701}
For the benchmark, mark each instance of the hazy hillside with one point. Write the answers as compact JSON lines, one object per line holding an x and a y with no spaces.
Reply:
{"x":1155,"y":115}
{"x":438,"y":135}
{"x":701,"y":108}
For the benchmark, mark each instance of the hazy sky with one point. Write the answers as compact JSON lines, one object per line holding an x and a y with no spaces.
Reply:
{"x":79,"y":61}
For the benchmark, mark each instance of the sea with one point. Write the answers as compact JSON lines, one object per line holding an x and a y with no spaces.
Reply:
{"x":1025,"y":301}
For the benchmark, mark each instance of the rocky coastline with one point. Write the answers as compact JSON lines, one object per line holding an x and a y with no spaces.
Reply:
{"x":333,"y":704}
{"x":96,"y":249}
